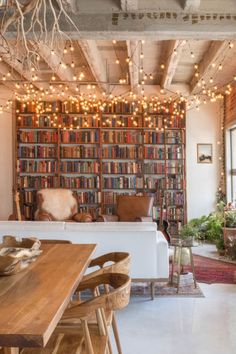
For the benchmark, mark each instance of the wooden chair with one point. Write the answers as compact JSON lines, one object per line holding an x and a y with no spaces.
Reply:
{"x":115,"y":262}
{"x":73,"y":334}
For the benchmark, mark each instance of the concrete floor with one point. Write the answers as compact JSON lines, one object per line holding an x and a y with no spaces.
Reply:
{"x":181,"y":325}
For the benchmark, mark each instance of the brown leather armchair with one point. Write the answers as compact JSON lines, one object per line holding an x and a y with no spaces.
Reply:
{"x":58,"y":204}
{"x":131,"y":208}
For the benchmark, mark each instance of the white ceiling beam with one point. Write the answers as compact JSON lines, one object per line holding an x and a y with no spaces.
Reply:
{"x":55,"y":62}
{"x":154,"y":25}
{"x":191,"y":5}
{"x":214,"y":54}
{"x":18,"y":66}
{"x":95,"y":62}
{"x":4,"y":70}
{"x":133,"y":50}
{"x":173,"y":56}
{"x":129,"y":5}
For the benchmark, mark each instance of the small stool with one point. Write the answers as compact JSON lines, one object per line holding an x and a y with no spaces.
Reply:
{"x":180,"y":246}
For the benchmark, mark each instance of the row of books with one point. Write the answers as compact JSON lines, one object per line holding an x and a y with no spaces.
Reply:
{"x":122,"y":137}
{"x":152,"y":137}
{"x":78,"y":137}
{"x":152,"y":107}
{"x":175,"y":213}
{"x":173,"y":137}
{"x":89,"y":197}
{"x":122,"y":121}
{"x":79,"y":152}
{"x":37,"y":136}
{"x":122,"y":107}
{"x":154,"y":183}
{"x":37,"y":152}
{"x":92,"y":136}
{"x":81,"y":121}
{"x":154,"y":167}
{"x":40,"y":166}
{"x":122,"y":167}
{"x":174,"y":152}
{"x":80,"y":167}
{"x":122,"y":152}
{"x":174,"y":182}
{"x":122,"y":182}
{"x":35,"y":121}
{"x":154,"y":152}
{"x":80,"y":182}
{"x":174,"y":198}
{"x":38,"y":182}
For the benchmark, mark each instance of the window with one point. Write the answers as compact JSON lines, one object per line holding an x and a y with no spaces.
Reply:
{"x":232,"y":166}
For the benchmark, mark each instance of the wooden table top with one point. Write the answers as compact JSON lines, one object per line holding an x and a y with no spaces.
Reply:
{"x":33,"y":301}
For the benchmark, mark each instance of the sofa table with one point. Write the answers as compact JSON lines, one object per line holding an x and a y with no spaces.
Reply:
{"x":33,"y":301}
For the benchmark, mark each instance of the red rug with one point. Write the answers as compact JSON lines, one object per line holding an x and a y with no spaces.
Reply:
{"x":213,"y":271}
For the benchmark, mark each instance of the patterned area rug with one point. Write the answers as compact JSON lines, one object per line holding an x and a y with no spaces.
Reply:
{"x":212,"y":271}
{"x":165,"y":289}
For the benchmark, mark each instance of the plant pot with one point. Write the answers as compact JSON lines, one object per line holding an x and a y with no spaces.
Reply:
{"x":228,"y":231}
{"x":188,"y":241}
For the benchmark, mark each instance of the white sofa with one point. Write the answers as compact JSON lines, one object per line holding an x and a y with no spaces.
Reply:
{"x":147,"y":246}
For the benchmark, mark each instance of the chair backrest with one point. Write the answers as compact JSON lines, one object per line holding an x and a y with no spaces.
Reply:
{"x":130,"y":207}
{"x":60,"y":203}
{"x":117,"y":298}
{"x":114,"y":262}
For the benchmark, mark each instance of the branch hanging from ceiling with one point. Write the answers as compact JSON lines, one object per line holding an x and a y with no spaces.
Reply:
{"x":39,"y":18}
{"x":191,"y":5}
{"x":133,"y":50}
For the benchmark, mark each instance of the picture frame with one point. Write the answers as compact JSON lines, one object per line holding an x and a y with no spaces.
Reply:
{"x":204,"y":153}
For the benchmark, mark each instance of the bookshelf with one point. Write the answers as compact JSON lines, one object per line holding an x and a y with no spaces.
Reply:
{"x":124,"y":149}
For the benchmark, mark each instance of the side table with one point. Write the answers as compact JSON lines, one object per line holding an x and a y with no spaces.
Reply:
{"x":179,"y":245}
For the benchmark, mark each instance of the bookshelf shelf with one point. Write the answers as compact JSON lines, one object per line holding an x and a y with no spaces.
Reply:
{"x":125,"y":149}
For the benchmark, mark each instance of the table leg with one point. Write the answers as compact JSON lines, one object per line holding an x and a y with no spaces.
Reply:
{"x":179,"y":267}
{"x":11,"y":351}
{"x":192,"y":265}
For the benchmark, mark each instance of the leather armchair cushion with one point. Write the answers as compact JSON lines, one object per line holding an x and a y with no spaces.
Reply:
{"x":131,"y":207}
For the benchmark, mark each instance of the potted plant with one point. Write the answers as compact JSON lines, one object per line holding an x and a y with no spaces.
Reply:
{"x":229,"y":229}
{"x":188,"y":233}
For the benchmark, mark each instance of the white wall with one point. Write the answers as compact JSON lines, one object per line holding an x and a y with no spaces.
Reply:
{"x":6,"y":152}
{"x":202,"y":126}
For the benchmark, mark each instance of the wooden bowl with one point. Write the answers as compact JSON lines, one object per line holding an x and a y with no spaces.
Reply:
{"x":16,"y":254}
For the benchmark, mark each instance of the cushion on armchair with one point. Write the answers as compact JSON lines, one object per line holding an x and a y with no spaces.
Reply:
{"x":58,"y":204}
{"x":132,"y":207}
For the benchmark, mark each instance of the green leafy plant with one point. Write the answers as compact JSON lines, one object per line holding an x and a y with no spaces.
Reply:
{"x":188,"y":230}
{"x":230,"y":218}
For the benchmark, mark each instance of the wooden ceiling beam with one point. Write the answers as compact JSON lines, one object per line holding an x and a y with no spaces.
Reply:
{"x":191,"y":5}
{"x":129,"y":5}
{"x":173,"y":57}
{"x":95,"y":62}
{"x":133,"y":50}
{"x":55,"y":62}
{"x":215,"y":54}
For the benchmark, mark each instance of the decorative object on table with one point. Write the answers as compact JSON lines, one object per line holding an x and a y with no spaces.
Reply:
{"x":204,"y":153}
{"x":59,"y":204}
{"x":16,"y":254}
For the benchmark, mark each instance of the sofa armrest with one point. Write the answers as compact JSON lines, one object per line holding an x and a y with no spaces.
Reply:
{"x":144,"y":218}
{"x":43,"y":216}
{"x":107,"y":218}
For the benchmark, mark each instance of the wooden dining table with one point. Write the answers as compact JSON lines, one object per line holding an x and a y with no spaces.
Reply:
{"x":33,"y":301}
